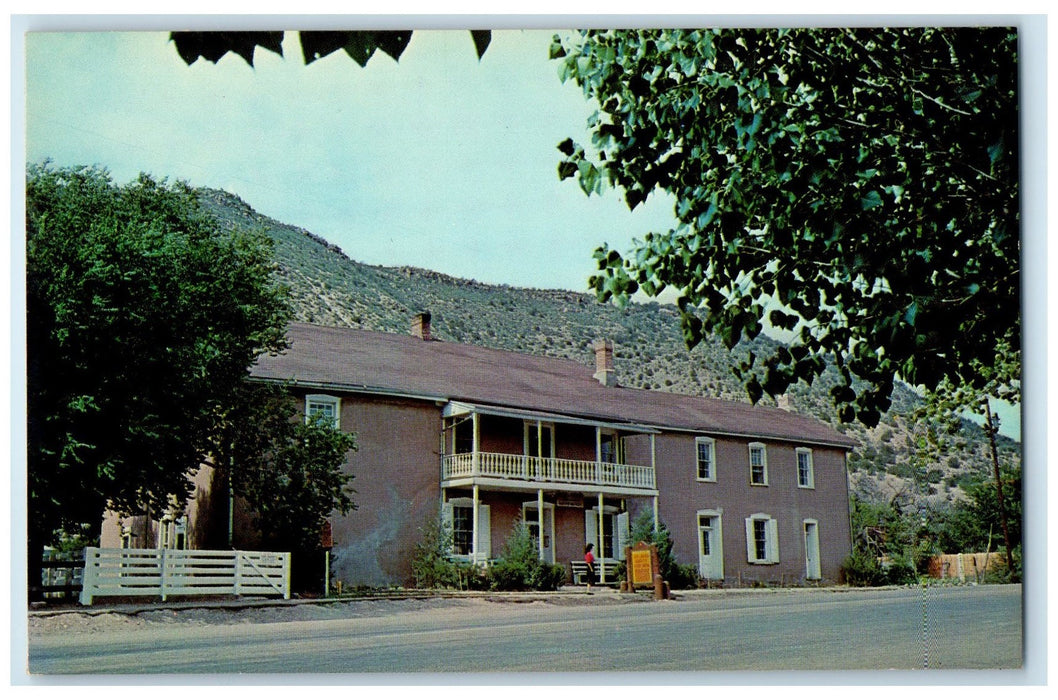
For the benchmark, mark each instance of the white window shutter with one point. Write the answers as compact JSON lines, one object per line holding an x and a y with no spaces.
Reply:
{"x":484,"y":532}
{"x":446,"y":514}
{"x":623,"y":535}
{"x":773,"y":541}
{"x":751,"y":548}
{"x":591,"y":530}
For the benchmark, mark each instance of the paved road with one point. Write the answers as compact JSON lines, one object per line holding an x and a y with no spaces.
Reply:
{"x":967,"y":627}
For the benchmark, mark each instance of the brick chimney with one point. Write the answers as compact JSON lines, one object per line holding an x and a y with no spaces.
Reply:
{"x":420,"y":326}
{"x":604,"y":370}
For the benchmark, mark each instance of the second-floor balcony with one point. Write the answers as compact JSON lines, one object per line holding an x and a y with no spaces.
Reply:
{"x":516,"y":471}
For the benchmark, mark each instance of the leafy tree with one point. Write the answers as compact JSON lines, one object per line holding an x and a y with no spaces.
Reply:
{"x":950,"y":401}
{"x":975,"y":525}
{"x":884,"y":532}
{"x":288,"y":470}
{"x":858,"y":187}
{"x":142,"y":320}
{"x":359,"y":45}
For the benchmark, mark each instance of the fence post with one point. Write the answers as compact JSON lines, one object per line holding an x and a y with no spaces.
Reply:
{"x":238,"y":571}
{"x":89,"y":575}
{"x":163,"y":578}
{"x":286,"y":576}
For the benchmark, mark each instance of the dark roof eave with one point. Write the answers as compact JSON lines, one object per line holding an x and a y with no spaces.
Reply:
{"x":847,"y":444}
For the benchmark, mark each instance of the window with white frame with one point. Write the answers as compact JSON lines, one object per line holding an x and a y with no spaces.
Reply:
{"x":462,"y":529}
{"x":173,"y":533}
{"x":762,"y":539}
{"x":805,"y":470}
{"x":329,"y":407}
{"x":458,"y":516}
{"x":758,"y":464}
{"x":705,"y":449}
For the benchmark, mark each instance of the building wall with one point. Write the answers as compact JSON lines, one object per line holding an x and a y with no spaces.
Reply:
{"x":682,"y":495}
{"x":397,"y":482}
{"x":206,"y":518}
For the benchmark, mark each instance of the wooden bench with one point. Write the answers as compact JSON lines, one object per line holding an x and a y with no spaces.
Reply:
{"x":604,"y":567}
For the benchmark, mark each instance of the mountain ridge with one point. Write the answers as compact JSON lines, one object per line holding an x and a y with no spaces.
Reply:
{"x":328,"y":287}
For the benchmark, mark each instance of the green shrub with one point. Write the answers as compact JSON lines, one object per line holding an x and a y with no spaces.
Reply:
{"x":431,"y":562}
{"x":898,"y":571}
{"x":519,"y":567}
{"x":861,"y":569}
{"x":471,"y":577}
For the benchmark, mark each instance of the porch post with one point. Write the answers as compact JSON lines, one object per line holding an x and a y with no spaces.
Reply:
{"x":540,"y":520}
{"x":443,"y":446}
{"x":474,"y":523}
{"x":475,"y":459}
{"x":602,"y":554}
{"x":598,"y":457}
{"x":654,"y":470}
{"x":653,"y":462}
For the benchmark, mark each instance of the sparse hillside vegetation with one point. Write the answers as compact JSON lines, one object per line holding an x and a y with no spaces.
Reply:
{"x":329,"y":288}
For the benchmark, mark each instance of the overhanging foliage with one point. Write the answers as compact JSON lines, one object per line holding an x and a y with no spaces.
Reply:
{"x":855,"y":187}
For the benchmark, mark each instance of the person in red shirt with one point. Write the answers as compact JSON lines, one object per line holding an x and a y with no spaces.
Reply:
{"x":589,"y":559}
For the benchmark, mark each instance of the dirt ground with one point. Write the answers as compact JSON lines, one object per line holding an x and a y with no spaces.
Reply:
{"x":107,"y":619}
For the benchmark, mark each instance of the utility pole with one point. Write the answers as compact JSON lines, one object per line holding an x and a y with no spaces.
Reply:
{"x":991,"y":429}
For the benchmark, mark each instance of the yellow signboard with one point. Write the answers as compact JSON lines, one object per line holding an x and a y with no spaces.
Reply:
{"x":642,"y":573}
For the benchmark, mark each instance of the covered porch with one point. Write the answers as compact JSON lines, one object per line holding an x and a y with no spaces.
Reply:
{"x":566,"y":477}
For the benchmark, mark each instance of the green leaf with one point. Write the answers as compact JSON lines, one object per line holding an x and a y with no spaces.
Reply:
{"x":871,"y":200}
{"x":754,"y":389}
{"x":911,"y":313}
{"x":482,"y":38}
{"x":359,"y":45}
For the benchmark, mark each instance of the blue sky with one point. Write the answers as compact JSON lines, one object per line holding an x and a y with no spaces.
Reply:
{"x":442,"y":161}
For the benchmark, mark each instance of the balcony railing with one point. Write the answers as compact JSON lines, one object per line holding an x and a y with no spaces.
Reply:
{"x":546,"y":469}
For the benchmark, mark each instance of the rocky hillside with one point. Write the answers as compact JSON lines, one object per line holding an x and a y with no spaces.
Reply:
{"x":329,"y":288}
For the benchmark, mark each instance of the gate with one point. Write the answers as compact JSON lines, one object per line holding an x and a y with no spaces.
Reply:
{"x":165,"y":572}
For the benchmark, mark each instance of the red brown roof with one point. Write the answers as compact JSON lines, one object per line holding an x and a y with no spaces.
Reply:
{"x":345,"y":359}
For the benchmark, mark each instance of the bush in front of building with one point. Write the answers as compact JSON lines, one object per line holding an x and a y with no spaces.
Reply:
{"x":431,"y":562}
{"x":519,"y":567}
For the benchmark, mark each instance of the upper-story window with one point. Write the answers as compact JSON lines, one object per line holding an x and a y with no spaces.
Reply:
{"x":758,"y":464}
{"x":463,"y":436}
{"x":805,"y":469}
{"x":539,"y":439}
{"x":610,"y":448}
{"x":705,"y":449}
{"x":327,"y":406}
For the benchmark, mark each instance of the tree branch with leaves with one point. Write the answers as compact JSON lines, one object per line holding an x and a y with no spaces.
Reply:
{"x":856,"y":188}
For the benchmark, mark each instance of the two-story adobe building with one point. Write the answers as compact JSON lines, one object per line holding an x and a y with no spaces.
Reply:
{"x":486,"y":437}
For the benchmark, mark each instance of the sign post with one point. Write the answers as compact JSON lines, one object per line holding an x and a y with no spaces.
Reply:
{"x":326,"y":542}
{"x":642,"y":566}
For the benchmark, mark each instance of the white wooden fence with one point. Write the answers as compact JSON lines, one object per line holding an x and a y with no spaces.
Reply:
{"x":166,"y":572}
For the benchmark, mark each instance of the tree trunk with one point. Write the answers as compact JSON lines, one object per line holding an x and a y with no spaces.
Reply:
{"x":34,"y":557}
